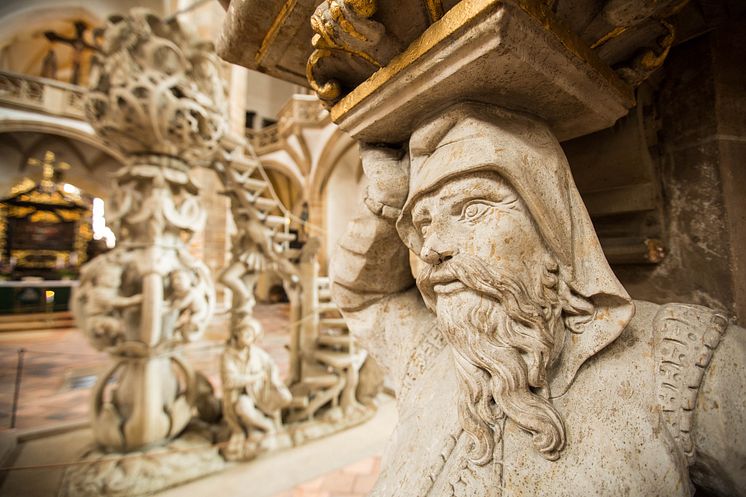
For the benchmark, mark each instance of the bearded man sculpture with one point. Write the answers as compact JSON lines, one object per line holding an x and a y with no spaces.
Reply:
{"x":522,"y":366}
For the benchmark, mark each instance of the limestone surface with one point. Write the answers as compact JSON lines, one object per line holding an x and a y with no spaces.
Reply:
{"x":521,"y":365}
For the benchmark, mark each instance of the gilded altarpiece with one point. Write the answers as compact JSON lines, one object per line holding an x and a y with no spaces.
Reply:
{"x":44,"y":229}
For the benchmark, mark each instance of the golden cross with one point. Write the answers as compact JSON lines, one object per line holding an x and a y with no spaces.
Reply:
{"x":49,"y":167}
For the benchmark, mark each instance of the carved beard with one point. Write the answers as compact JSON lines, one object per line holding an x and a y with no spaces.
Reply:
{"x":503,"y":340}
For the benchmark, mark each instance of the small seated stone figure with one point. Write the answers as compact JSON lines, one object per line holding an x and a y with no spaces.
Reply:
{"x":253,"y":392}
{"x":103,"y":305}
{"x":189,"y":302}
{"x":521,"y":365}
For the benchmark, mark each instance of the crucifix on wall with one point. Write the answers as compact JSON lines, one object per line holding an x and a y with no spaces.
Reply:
{"x":51,"y":170}
{"x":79,"y":45}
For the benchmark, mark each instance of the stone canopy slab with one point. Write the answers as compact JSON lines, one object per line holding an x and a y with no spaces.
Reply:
{"x":510,"y":54}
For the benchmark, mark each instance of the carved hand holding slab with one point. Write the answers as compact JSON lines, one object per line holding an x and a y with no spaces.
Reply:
{"x":347,"y":44}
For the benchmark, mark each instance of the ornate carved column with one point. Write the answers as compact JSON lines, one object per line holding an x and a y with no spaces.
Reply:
{"x":157,"y":97}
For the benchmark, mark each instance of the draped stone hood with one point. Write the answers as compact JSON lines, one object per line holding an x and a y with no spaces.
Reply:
{"x":471,"y":137}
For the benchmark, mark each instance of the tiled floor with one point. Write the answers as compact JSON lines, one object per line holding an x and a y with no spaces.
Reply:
{"x":355,"y":480}
{"x":59,"y":367}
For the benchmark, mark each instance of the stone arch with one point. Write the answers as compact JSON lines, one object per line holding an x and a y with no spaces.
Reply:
{"x":285,"y":169}
{"x":338,"y":146}
{"x":335,"y":147}
{"x":93,"y":163}
{"x":75,"y":130}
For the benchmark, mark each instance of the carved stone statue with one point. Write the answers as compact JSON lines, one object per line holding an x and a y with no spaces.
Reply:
{"x":105,"y":306}
{"x":520,"y":363}
{"x":253,"y":392}
{"x":190,"y":302}
{"x":253,"y":253}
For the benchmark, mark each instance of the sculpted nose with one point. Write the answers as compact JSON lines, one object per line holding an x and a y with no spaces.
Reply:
{"x":435,"y":251}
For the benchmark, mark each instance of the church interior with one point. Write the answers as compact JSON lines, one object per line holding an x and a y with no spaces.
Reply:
{"x":177,"y":176}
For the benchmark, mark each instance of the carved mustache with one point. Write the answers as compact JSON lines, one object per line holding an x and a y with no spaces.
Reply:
{"x":478,"y":275}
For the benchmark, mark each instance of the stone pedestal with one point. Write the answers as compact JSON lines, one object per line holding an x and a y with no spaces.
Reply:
{"x":143,"y":472}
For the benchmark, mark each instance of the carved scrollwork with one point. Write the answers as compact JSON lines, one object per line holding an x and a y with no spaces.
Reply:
{"x":648,"y":60}
{"x":348,"y":43}
{"x":155,"y":90}
{"x":145,"y":208}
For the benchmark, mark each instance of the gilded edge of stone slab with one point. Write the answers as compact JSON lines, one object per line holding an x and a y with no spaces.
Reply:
{"x":459,"y":16}
{"x":271,"y":33}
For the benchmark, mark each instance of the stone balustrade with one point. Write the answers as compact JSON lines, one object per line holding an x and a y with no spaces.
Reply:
{"x":299,"y":111}
{"x":42,"y":95}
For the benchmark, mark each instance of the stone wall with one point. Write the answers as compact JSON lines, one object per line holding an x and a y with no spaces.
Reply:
{"x":701,"y":101}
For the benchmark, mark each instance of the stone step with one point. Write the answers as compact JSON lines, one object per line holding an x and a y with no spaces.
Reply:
{"x":335,"y":340}
{"x":34,"y":316}
{"x":245,"y":163}
{"x":273,"y":221}
{"x":37,"y":325}
{"x":323,"y":381}
{"x":255,"y":185}
{"x":291,"y":253}
{"x":264,"y":203}
{"x":338,"y":323}
{"x":298,"y":402}
{"x":322,"y":281}
{"x":281,"y":236}
{"x":329,"y":306}
{"x":325,"y":294}
{"x":339,"y":360}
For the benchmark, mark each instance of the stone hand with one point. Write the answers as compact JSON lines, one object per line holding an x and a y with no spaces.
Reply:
{"x":387,"y":170}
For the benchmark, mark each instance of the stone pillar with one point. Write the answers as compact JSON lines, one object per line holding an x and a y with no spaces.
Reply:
{"x":309,"y":328}
{"x":157,"y":97}
{"x":729,"y":51}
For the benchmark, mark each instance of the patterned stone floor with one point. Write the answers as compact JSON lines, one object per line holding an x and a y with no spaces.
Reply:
{"x":60,"y":367}
{"x":354,"y":480}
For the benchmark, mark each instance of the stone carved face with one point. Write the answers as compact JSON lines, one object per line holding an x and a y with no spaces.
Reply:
{"x":249,"y":331}
{"x":478,"y":215}
{"x":181,"y":282}
{"x":496,"y":290}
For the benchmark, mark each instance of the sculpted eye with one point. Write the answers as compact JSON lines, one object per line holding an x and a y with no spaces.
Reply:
{"x":474,"y":210}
